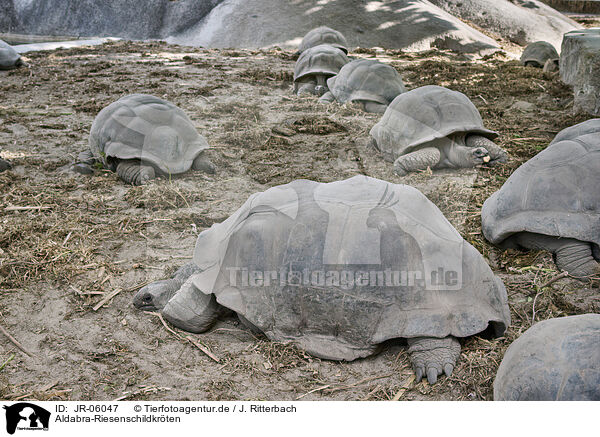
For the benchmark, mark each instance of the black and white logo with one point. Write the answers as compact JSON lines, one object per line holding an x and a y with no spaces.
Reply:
{"x":25,"y":416}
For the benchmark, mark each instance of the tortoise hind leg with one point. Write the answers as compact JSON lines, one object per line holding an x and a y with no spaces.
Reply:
{"x":570,"y":255}
{"x":578,"y":259}
{"x":134,"y":172}
{"x":418,"y":160}
{"x":433,"y":356}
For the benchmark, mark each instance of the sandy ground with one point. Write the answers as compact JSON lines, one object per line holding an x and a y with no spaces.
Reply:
{"x":81,"y":238}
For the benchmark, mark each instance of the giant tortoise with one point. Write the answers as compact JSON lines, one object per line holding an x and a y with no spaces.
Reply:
{"x":367,"y":82}
{"x":552,"y":203}
{"x":9,"y":58}
{"x":538,"y":53}
{"x":140,"y":135}
{"x":315,"y":66}
{"x":554,"y":360}
{"x":434,"y":127}
{"x":323,"y":35}
{"x":339,"y":268}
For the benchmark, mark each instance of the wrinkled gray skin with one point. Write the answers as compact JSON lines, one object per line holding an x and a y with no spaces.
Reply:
{"x":552,"y":203}
{"x":554,"y":360}
{"x":434,"y":127}
{"x":330,"y":322}
{"x":127,"y":138}
{"x":455,"y":151}
{"x":9,"y":59}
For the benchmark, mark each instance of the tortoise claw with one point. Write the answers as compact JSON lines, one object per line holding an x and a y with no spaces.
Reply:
{"x":419,"y":374}
{"x":432,"y":375}
{"x":448,"y":368}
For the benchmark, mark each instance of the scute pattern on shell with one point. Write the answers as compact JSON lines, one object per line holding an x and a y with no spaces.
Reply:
{"x":554,"y":193}
{"x":366,"y":79}
{"x":554,"y":360}
{"x":323,"y":35}
{"x":422,"y":115}
{"x":322,"y":59}
{"x":145,"y":127}
{"x":358,"y":225}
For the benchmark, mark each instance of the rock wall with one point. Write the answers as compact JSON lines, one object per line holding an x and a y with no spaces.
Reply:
{"x":407,"y":24}
{"x":519,"y":21}
{"x":127,"y":19}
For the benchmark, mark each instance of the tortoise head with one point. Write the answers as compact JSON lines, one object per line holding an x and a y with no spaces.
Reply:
{"x":154,"y":296}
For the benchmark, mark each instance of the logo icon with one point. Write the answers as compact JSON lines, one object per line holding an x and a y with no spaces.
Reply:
{"x":26,"y":416}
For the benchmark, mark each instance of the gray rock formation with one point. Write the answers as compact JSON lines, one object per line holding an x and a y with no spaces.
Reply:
{"x":519,"y":21}
{"x":407,"y":24}
{"x":580,"y":67}
{"x":132,"y":19}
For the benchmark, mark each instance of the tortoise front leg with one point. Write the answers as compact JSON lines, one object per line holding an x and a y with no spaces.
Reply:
{"x":417,"y":160}
{"x":134,"y":172}
{"x":192,"y":310}
{"x":328,"y":97}
{"x":433,"y":356}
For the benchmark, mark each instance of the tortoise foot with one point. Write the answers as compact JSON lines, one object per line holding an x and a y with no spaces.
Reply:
{"x":433,"y":356}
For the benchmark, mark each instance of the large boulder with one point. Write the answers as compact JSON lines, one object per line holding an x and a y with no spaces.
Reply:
{"x":580,"y":67}
{"x":519,"y":21}
{"x":406,"y":24}
{"x":131,"y":19}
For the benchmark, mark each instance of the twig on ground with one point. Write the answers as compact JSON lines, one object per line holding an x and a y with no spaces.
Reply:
{"x":313,"y":391}
{"x":188,"y":338}
{"x":25,"y":208}
{"x":404,"y":387}
{"x":541,"y":291}
{"x":142,"y":391}
{"x":15,"y":342}
{"x":112,"y":294}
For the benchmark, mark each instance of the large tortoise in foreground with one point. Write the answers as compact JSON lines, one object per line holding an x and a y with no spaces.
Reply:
{"x":140,"y":136}
{"x":554,"y":360}
{"x":434,"y":127}
{"x":552,"y":203}
{"x":339,"y":268}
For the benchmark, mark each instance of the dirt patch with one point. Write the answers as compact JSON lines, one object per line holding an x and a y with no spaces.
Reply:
{"x":76,"y":238}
